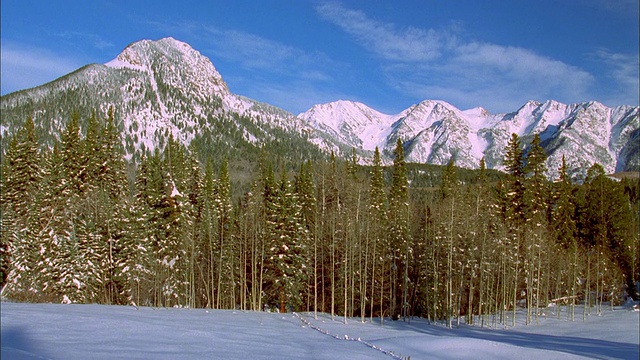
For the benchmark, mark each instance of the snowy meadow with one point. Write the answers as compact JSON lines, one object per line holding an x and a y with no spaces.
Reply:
{"x":52,"y":331}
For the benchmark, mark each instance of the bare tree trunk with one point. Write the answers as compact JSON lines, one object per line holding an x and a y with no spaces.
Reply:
{"x":381,"y":294}
{"x":481,"y":284}
{"x":599,"y":289}
{"x":471,"y":291}
{"x":261,"y":273}
{"x":450,"y":269}
{"x":426,"y":266}
{"x":315,"y":271}
{"x":435,"y":281}
{"x":346,"y":275}
{"x":459,"y":305}
{"x":373,"y":275}
{"x":364,"y":279}
{"x":333,"y":269}
{"x":405,"y":287}
{"x":557,"y":292}
{"x":503,"y":300}
{"x":573,"y":282}
{"x":586,"y":295}
{"x":538,"y":286}
{"x":219,"y":285}
{"x":515,"y":283}
{"x":255,"y":292}
{"x":212,"y":296}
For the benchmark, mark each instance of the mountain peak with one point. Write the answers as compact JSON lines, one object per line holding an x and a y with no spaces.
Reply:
{"x":136,"y":53}
{"x":174,"y":61}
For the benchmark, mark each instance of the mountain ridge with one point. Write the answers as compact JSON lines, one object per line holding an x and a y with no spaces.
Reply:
{"x":435,"y":131}
{"x":166,"y":88}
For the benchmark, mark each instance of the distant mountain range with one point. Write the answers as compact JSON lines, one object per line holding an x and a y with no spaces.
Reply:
{"x":166,"y":88}
{"x":434,"y":132}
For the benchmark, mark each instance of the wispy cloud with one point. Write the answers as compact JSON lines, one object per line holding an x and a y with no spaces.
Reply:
{"x":387,"y":40}
{"x":623,"y":69}
{"x":254,"y":52}
{"x":625,"y":8}
{"x":265,"y":69}
{"x":24,"y":66}
{"x":94,"y":40}
{"x":429,"y":63}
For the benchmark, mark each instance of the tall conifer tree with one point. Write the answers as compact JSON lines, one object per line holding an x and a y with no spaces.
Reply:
{"x":399,"y":230}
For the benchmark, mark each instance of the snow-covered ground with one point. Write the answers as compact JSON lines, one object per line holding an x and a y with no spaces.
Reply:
{"x":51,"y":331}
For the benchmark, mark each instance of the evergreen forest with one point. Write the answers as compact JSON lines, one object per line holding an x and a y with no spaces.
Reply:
{"x":80,"y":224}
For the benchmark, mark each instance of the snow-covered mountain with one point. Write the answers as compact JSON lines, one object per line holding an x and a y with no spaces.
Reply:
{"x":158,"y":89}
{"x":166,"y":88}
{"x":435,"y":131}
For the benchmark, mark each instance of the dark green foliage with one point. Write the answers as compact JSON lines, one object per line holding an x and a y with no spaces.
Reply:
{"x":606,"y":222}
{"x":449,"y":182}
{"x":515,"y":183}
{"x":563,"y":215}
{"x":536,"y":194}
{"x":399,"y":228}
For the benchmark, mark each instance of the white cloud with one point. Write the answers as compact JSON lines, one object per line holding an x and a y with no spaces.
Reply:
{"x":24,"y":67}
{"x":295,"y":96}
{"x":250,"y":50}
{"x":428,"y":63}
{"x":626,"y":8}
{"x":264,"y":69}
{"x":623,"y":69}
{"x":255,"y":53}
{"x":95,"y":40}
{"x":410,"y":44}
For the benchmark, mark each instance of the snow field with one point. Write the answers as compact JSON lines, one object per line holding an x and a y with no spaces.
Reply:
{"x":52,"y":331}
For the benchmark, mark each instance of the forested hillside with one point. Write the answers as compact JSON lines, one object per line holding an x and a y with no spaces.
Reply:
{"x":81,"y":224}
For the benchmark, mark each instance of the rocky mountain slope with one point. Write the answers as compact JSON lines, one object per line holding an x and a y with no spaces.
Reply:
{"x":166,"y":88}
{"x":158,"y":89}
{"x":435,"y":132}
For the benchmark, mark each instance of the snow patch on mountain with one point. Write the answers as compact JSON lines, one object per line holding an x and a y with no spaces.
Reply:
{"x":435,"y":132}
{"x":353,"y":123}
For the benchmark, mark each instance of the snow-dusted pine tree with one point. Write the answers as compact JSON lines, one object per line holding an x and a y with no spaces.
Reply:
{"x":399,"y":232}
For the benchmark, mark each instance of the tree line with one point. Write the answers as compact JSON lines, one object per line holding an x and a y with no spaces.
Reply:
{"x":80,"y":224}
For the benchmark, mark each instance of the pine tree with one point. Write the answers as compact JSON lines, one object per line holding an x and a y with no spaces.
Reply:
{"x":74,"y":158}
{"x":163,"y":221}
{"x":305,"y":192}
{"x":288,"y":245}
{"x":21,"y":177}
{"x":132,"y":262}
{"x":450,"y":202}
{"x":331,"y":232}
{"x":607,"y":221}
{"x":564,"y":209}
{"x":449,"y":182}
{"x":514,"y":166}
{"x":377,"y":229}
{"x":536,"y":204}
{"x":399,"y":230}
{"x":21,"y":169}
{"x":208,"y":229}
{"x":514,"y":211}
{"x":536,"y":191}
{"x":225,"y":247}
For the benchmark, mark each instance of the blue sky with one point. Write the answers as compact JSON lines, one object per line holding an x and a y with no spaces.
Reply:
{"x":386,"y":54}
